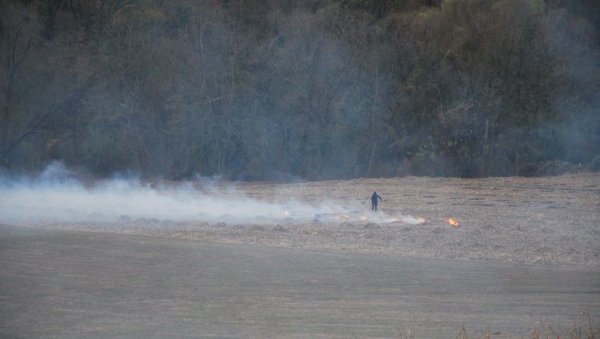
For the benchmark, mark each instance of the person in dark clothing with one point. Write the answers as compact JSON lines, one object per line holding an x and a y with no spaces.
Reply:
{"x":374,"y":201}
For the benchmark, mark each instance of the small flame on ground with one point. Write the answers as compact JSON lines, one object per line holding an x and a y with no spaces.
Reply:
{"x":341,"y":217}
{"x":455,"y":223}
{"x":377,"y":218}
{"x":286,"y":213}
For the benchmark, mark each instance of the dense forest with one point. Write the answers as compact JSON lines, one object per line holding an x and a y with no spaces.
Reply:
{"x":316,"y":89}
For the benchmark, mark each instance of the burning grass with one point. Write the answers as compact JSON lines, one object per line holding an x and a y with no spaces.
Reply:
{"x":529,"y":220}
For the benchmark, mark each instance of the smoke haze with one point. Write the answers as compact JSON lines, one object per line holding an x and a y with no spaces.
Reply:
{"x":57,"y":196}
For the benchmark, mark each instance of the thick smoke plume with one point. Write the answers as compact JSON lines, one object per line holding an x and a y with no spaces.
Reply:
{"x":56,"y":196}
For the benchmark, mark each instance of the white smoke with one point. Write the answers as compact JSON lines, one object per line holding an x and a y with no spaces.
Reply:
{"x":56,"y":196}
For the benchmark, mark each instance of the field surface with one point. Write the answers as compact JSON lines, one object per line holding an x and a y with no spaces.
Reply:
{"x":56,"y":284}
{"x":528,"y":220}
{"x":526,"y":255}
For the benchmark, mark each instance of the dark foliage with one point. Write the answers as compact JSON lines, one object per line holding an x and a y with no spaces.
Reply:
{"x":278,"y":89}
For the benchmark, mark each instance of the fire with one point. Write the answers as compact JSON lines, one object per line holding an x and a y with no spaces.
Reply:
{"x":354,"y":216}
{"x":455,"y":223}
{"x":286,"y":213}
{"x":341,"y":217}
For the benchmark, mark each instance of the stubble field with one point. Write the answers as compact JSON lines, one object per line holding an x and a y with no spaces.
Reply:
{"x":529,"y":220}
{"x":524,"y":262}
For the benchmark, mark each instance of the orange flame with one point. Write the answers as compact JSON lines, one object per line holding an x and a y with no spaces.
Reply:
{"x":455,"y":223}
{"x":341,"y":217}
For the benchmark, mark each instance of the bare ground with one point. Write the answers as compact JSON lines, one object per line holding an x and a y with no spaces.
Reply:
{"x":67,"y":284}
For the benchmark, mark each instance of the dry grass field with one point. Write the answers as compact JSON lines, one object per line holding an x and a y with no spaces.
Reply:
{"x":524,"y":261}
{"x":529,"y":220}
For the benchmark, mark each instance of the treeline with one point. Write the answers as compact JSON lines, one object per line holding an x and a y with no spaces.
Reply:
{"x":277,"y":89}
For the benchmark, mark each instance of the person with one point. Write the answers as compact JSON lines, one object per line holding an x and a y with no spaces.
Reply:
{"x":374,"y":201}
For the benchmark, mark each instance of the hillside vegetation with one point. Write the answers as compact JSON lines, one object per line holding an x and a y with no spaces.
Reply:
{"x":319,"y":89}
